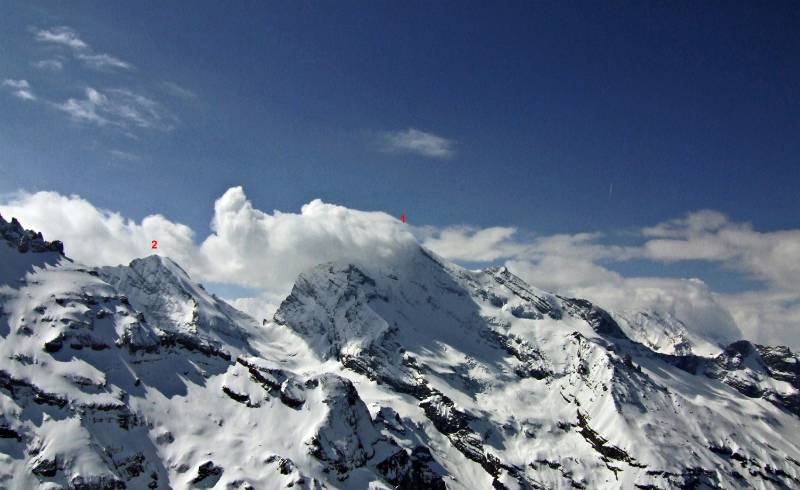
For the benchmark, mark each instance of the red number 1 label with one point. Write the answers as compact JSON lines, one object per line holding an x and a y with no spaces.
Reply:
{"x":154,"y":244}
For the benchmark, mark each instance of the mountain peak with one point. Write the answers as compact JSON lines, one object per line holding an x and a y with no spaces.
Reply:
{"x":404,"y":372}
{"x":156,"y":262}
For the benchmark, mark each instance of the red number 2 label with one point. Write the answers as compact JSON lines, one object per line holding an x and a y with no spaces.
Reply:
{"x":154,"y":244}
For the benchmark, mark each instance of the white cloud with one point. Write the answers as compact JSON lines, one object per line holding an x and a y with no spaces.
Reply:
{"x":767,"y":317}
{"x":488,"y":244}
{"x":417,"y":142}
{"x":124,"y":155}
{"x":63,"y":35}
{"x":698,"y":221}
{"x":689,"y":300}
{"x":85,"y":110}
{"x":69,"y":38}
{"x":97,"y":236}
{"x":256,"y":249}
{"x":563,"y":274}
{"x":773,"y":257}
{"x":103,"y":61}
{"x":577,"y":265}
{"x":118,"y":107}
{"x":260,"y":307}
{"x":49,"y":64}
{"x":265,"y":250}
{"x":20,"y":88}
{"x":176,"y":90}
{"x":472,"y":244}
{"x":248,"y":247}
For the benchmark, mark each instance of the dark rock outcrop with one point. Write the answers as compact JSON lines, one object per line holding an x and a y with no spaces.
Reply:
{"x":27,"y":240}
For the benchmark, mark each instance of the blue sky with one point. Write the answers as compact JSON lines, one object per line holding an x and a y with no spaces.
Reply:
{"x":545,"y":117}
{"x":548,"y":104}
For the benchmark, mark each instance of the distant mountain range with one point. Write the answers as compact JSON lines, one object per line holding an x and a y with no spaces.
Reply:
{"x":409,"y":373}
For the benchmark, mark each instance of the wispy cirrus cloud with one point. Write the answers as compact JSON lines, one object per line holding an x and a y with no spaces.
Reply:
{"x":176,"y":90}
{"x":114,"y":107}
{"x":52,"y":64}
{"x":416,"y":142}
{"x":67,"y":37}
{"x":61,"y":35}
{"x":124,"y":155}
{"x":118,"y":107}
{"x":103,"y":61}
{"x":20,"y":88}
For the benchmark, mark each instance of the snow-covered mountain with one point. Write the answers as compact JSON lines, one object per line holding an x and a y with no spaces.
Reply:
{"x":663,"y":332}
{"x":410,"y":373}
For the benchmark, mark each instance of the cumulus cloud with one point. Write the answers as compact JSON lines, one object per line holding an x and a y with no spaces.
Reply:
{"x":248,"y":247}
{"x":416,"y":142}
{"x":97,"y":236}
{"x":20,"y":88}
{"x":118,"y":107}
{"x":269,"y":250}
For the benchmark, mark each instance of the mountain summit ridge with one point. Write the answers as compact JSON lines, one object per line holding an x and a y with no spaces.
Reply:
{"x":408,"y":373}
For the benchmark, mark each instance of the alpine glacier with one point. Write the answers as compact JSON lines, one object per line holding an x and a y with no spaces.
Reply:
{"x":408,"y":373}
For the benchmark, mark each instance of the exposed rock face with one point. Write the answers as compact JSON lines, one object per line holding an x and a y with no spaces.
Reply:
{"x":292,"y":393}
{"x":208,"y":474}
{"x":346,"y":438}
{"x":27,"y":240}
{"x":758,"y":371}
{"x":782,"y":364}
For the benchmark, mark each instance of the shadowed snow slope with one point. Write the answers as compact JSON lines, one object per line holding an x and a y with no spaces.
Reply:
{"x":404,"y":373}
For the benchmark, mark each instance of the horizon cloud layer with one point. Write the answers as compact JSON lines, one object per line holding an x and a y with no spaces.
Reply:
{"x":255,"y":249}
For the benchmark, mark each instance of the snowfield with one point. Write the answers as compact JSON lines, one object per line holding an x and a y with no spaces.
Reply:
{"x":408,"y":373}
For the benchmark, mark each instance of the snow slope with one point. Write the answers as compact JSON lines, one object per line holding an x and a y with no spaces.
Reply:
{"x":410,"y":373}
{"x":536,"y":390}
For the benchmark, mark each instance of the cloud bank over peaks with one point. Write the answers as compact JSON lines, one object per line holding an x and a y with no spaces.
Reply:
{"x":582,"y":265}
{"x":269,"y":250}
{"x":247,"y":247}
{"x":265,"y":251}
